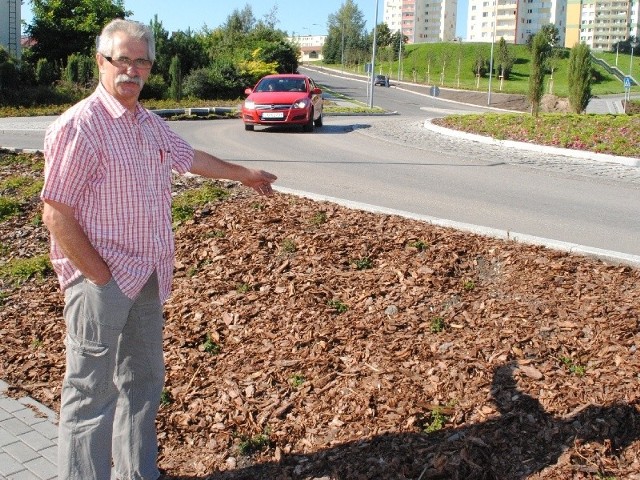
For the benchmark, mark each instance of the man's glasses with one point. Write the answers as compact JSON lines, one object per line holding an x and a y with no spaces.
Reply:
{"x":125,"y":62}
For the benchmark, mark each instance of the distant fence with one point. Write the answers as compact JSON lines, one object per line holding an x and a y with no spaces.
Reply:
{"x":615,"y":71}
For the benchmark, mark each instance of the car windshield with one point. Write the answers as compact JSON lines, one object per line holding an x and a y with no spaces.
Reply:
{"x":282,"y":85}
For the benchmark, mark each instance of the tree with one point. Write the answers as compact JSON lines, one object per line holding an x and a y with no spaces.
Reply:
{"x":189,"y":47}
{"x":175,"y":74}
{"x":504,"y":61}
{"x":46,"y":72}
{"x":580,"y":77}
{"x":61,"y":28}
{"x":346,"y":34}
{"x":282,"y":53}
{"x":539,"y":50}
{"x":9,"y":75}
{"x":80,"y":69}
{"x":552,"y":34}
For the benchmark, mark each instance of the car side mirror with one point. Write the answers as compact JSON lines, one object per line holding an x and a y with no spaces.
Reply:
{"x":248,"y":91}
{"x":316,"y":91}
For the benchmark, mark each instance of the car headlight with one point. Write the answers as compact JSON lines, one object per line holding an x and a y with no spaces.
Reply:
{"x":249,"y":105}
{"x":302,"y":103}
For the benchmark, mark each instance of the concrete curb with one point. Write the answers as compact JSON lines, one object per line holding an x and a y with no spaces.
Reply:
{"x":567,"y":152}
{"x":605,"y":255}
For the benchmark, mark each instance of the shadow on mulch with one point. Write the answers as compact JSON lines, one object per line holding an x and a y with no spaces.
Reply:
{"x":522,"y":441}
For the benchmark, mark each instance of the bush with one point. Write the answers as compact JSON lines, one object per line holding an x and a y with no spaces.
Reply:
{"x":221,"y":81}
{"x":46,"y":72}
{"x":155,"y":87}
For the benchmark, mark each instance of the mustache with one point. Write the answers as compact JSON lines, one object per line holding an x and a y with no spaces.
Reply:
{"x":123,"y":77}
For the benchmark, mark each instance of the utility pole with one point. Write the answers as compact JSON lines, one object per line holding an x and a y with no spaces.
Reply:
{"x":373,"y":57}
{"x":493,"y":41}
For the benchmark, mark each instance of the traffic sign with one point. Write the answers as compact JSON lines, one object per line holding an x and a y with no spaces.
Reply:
{"x":627,"y":81}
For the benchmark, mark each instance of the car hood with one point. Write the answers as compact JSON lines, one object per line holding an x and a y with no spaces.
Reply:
{"x":276,"y":97}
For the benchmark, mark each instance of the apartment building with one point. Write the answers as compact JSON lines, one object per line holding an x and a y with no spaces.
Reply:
{"x":602,"y":23}
{"x":513,"y":20}
{"x":422,"y":21}
{"x":10,"y":19}
{"x":310,"y":46}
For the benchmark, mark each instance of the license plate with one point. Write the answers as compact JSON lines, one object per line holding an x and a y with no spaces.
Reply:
{"x":272,"y":115}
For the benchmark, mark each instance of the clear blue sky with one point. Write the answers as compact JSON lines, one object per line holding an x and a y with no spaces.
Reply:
{"x":295,"y":16}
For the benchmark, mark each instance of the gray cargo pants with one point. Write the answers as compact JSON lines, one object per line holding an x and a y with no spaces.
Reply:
{"x":113,"y":382}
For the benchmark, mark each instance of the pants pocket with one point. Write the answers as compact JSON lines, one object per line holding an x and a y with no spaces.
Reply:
{"x":88,"y":364}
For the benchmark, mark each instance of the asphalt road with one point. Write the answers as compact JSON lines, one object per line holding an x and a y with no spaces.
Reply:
{"x":392,"y":162}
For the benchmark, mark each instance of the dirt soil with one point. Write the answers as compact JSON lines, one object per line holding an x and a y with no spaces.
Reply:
{"x":305,"y":340}
{"x":503,"y":101}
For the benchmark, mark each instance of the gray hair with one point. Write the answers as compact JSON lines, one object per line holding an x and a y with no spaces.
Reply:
{"x":104,"y":43}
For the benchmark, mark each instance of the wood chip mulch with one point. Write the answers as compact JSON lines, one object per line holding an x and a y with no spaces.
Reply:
{"x":305,"y":340}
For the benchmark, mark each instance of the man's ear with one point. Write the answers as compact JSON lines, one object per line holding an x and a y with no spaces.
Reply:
{"x":100,"y":61}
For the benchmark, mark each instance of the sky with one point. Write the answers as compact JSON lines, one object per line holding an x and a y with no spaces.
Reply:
{"x":296,"y":17}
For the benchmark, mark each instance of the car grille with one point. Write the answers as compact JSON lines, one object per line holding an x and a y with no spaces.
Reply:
{"x":275,"y":106}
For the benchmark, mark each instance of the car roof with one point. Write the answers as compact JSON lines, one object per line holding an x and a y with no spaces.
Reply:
{"x":286,"y":75}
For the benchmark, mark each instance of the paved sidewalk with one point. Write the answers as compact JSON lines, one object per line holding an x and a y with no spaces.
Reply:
{"x":28,"y":439}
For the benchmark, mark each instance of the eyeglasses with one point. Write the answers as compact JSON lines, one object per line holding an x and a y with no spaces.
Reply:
{"x":125,"y":62}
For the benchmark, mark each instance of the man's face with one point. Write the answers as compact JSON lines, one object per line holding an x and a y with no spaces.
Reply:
{"x":122,"y":81}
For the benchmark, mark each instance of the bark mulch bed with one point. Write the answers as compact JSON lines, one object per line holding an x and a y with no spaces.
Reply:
{"x":305,"y":340}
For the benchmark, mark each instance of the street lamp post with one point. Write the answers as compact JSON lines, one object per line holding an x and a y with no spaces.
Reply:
{"x":493,"y":41}
{"x":401,"y":42}
{"x":373,"y":57}
{"x":400,"y":51}
{"x":342,"y":50}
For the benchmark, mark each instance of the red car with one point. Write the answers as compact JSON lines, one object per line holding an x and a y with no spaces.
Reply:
{"x":286,"y":99}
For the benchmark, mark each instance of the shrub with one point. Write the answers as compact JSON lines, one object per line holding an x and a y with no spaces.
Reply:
{"x":580,"y":77}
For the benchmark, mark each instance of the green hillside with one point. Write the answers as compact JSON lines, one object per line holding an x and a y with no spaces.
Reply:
{"x":451,"y":65}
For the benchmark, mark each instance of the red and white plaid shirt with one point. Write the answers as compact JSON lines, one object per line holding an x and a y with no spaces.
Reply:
{"x":114,"y":168}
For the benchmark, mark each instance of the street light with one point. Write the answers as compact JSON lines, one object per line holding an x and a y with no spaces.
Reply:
{"x":493,"y":40}
{"x":401,"y":42}
{"x":400,"y":51}
{"x":342,"y":54}
{"x":633,"y":45}
{"x":373,"y":57}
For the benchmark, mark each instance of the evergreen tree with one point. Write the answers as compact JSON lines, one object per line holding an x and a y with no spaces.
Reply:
{"x":539,"y":50}
{"x":504,"y":62}
{"x":580,"y":77}
{"x":175,"y":73}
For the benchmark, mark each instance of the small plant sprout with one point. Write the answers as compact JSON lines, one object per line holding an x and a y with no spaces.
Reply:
{"x":210,"y":346}
{"x":249,"y":445}
{"x":165,"y":398}
{"x":338,"y":305}
{"x":573,"y":367}
{"x":36,"y":343}
{"x":319,"y":218}
{"x":363,"y":263}
{"x":437,"y":325}
{"x":419,"y":245}
{"x":297,"y":380}
{"x":288,"y":245}
{"x":469,"y":285}
{"x":243,"y":287}
{"x":437,"y":421}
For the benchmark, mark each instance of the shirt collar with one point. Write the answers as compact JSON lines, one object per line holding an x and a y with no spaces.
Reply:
{"x":115,"y":108}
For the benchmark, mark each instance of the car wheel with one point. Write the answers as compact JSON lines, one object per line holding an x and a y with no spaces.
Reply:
{"x":308,"y":127}
{"x":248,"y":128}
{"x":318,"y":121}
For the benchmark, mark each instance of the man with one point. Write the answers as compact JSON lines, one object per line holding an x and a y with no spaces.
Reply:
{"x":107,"y":205}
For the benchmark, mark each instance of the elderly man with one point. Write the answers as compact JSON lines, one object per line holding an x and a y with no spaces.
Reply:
{"x":107,"y":205}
